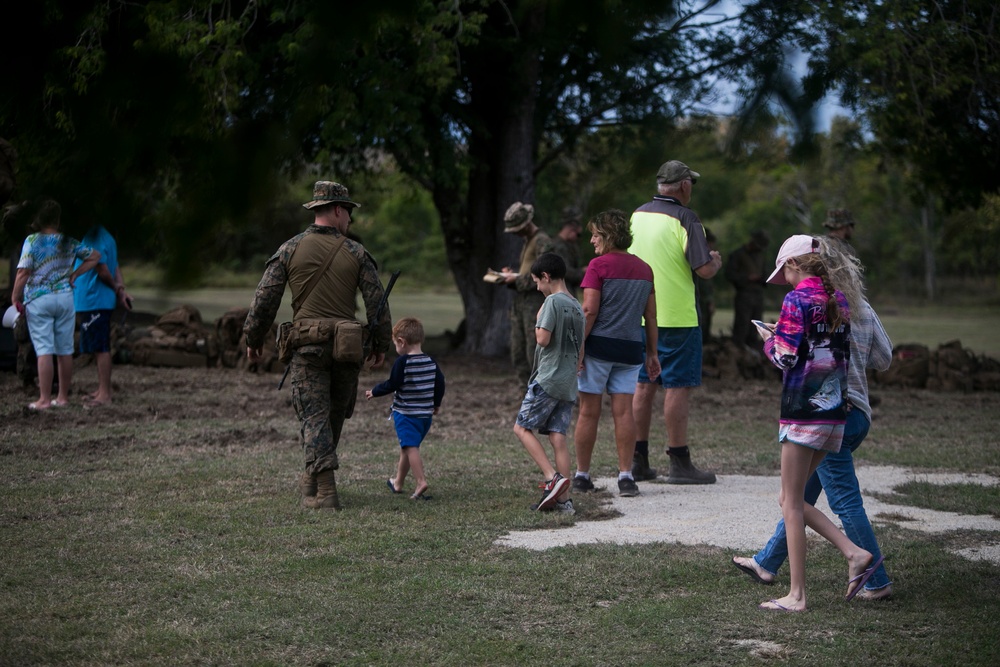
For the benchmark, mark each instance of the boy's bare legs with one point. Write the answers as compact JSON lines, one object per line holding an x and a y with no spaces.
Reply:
{"x":561,"y":450}
{"x":402,"y":468}
{"x":417,"y":465}
{"x":537,"y":452}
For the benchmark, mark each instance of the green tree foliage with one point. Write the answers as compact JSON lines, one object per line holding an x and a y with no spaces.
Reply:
{"x":165,"y":118}
{"x":927,"y":78}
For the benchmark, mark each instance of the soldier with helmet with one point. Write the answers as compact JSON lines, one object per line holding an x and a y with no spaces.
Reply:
{"x":324,"y":389}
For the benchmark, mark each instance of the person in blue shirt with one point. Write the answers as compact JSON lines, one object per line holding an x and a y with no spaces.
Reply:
{"x":95,"y":297}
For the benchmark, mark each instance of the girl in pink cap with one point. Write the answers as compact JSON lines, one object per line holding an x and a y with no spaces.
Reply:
{"x":811,"y":345}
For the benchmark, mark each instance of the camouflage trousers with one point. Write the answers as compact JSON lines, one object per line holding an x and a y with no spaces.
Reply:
{"x":523,"y":314}
{"x":323,"y":394}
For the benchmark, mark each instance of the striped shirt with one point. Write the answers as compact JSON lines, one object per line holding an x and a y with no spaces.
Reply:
{"x":418,"y":383}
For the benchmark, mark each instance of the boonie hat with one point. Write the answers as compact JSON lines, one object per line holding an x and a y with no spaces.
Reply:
{"x":837,"y":218}
{"x":674,"y":172}
{"x":518,"y":216}
{"x":794,"y":246}
{"x":328,"y":192}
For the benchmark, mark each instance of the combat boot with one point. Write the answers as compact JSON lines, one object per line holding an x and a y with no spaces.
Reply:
{"x":640,"y":468}
{"x":326,"y":492}
{"x":307,"y":486}
{"x":682,"y":471}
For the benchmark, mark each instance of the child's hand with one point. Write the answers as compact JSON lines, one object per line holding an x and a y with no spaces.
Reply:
{"x":368,"y":394}
{"x":437,"y":410}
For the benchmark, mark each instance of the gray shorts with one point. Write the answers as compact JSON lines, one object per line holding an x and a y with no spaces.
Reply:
{"x":540,"y":412}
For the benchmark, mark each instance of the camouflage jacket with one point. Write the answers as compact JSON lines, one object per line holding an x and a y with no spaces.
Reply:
{"x":539,"y":244}
{"x":267,"y":298}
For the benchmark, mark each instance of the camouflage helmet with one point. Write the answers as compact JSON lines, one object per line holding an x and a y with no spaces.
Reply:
{"x":328,"y":192}
{"x":836,"y":218}
{"x":518,"y":216}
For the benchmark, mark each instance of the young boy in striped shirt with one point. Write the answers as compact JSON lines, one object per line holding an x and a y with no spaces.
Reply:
{"x":418,"y":384}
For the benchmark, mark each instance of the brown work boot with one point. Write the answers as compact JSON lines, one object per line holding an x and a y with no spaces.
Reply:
{"x":682,"y":471}
{"x":326,"y":492}
{"x":640,"y":468}
{"x":307,"y":486}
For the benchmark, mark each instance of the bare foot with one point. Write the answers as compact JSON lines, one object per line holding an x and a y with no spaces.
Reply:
{"x":858,"y":564}
{"x":782,"y":605}
{"x":96,"y":402}
{"x":40,"y":405}
{"x":786,"y":603}
{"x":753,"y":570}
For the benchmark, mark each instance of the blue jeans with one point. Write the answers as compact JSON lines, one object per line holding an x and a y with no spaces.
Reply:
{"x":835,"y":475}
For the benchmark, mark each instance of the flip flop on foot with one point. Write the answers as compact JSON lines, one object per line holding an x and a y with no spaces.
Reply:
{"x":392,"y":487}
{"x":37,"y":406}
{"x":59,"y":404}
{"x":862,"y":579}
{"x":749,"y":565}
{"x":420,"y":496}
{"x":774,"y":605}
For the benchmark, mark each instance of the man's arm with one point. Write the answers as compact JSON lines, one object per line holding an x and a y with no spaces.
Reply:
{"x":264,"y":306}
{"x":652,"y":337}
{"x":710,"y":268}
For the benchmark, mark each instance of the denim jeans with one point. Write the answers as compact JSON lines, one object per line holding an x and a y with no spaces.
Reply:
{"x":835,"y":475}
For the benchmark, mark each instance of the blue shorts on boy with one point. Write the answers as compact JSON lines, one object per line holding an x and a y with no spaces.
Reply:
{"x":95,"y":331}
{"x":543,"y":413}
{"x":410,"y":430}
{"x":599,"y":375}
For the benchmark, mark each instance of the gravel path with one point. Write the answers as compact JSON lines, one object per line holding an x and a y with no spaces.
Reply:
{"x":740,"y":511}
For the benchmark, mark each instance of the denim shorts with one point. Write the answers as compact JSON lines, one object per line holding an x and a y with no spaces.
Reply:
{"x":411,"y":430}
{"x":95,"y":331}
{"x":540,"y":412}
{"x":599,"y":375}
{"x":679,"y":350}
{"x":51,"y":323}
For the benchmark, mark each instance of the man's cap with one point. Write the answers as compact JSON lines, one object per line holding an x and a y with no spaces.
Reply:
{"x":837,"y":218}
{"x":674,"y":172}
{"x":794,"y":246}
{"x":328,"y":192}
{"x":518,"y":216}
{"x":760,"y":237}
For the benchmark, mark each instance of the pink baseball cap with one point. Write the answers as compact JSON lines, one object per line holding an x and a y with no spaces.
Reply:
{"x":794,"y":246}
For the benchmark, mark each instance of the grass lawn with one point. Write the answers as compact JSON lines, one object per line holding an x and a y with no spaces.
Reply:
{"x":166,"y":530}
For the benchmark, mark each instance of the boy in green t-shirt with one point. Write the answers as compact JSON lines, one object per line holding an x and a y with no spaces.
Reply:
{"x":548,"y":403}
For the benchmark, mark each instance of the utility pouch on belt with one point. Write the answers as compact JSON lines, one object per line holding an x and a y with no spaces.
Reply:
{"x":343,"y":335}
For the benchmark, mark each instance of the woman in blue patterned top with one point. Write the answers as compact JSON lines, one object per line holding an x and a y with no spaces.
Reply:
{"x":43,"y":293}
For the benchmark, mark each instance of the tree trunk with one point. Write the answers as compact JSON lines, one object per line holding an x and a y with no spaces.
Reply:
{"x":930,"y":265}
{"x":502,"y":153}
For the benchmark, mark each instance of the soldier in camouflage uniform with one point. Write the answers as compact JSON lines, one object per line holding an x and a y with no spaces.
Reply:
{"x":566,"y":244}
{"x":323,"y":390}
{"x":519,"y":219}
{"x":839,"y":224}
